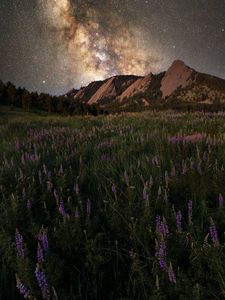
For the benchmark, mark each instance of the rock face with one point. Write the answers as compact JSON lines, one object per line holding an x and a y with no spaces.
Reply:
{"x":178,"y":83}
{"x":140,"y":85}
{"x":112,"y":88}
{"x":178,"y":75}
{"x":85,"y":93}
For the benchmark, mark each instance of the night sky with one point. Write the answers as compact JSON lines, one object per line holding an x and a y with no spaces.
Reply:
{"x":55,"y":45}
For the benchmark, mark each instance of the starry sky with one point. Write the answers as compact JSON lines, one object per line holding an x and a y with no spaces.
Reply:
{"x":55,"y":45}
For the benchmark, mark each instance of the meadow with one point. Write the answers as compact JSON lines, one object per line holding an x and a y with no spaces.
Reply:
{"x":127,"y":206}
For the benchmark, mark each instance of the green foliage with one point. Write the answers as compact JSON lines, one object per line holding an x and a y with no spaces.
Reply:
{"x":132,"y":168}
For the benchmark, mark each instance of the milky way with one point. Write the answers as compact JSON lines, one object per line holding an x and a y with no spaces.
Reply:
{"x":54,"y":45}
{"x":93,"y":42}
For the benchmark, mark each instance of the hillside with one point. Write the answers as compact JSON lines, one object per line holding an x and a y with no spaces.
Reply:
{"x":179,"y":83}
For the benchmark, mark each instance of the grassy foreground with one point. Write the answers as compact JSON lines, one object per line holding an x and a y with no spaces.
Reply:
{"x":116,"y":207}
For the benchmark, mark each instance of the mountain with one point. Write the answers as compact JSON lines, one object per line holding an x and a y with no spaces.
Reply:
{"x":178,"y":83}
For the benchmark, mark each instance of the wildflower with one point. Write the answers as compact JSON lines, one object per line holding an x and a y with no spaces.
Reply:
{"x":164,"y":228}
{"x":161,"y":226}
{"x":161,"y":253}
{"x":178,"y":221}
{"x":24,"y":291}
{"x":40,"y":254}
{"x":45,"y":241}
{"x":19,"y":244}
{"x":114,"y":189}
{"x":42,"y":282}
{"x":158,"y":223}
{"x":213,"y":234}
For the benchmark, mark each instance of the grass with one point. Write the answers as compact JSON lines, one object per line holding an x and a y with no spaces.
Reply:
{"x":102,"y":191}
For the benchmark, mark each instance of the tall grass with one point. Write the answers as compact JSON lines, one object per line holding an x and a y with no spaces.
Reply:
{"x":116,"y":207}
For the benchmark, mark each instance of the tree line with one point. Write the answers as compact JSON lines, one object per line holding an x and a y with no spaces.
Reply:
{"x":22,"y":98}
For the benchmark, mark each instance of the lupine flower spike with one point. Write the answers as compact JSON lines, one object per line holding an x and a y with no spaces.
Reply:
{"x":213,"y":234}
{"x":42,"y":282}
{"x":19,"y":244}
{"x":24,"y":291}
{"x":40,"y":254}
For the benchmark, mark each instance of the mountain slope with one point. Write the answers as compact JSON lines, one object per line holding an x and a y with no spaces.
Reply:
{"x":178,"y":75}
{"x":178,"y":83}
{"x":112,"y":88}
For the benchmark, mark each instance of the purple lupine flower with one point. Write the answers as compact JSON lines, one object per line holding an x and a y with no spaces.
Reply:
{"x":88,"y":207}
{"x":40,"y":254}
{"x":42,"y":282}
{"x":19,"y":244}
{"x":171,"y":274}
{"x":162,"y":263}
{"x":77,"y":213}
{"x":178,"y":221}
{"x":190,"y":211}
{"x":24,"y":291}
{"x":161,"y":253}
{"x":161,"y":226}
{"x":114,"y":189}
{"x":221,"y":200}
{"x":62,"y":208}
{"x":213,"y":234}
{"x":164,"y":228}
{"x":158,"y":223}
{"x":45,"y":241}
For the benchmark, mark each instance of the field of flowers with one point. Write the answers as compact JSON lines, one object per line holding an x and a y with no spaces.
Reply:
{"x":115,"y":207}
